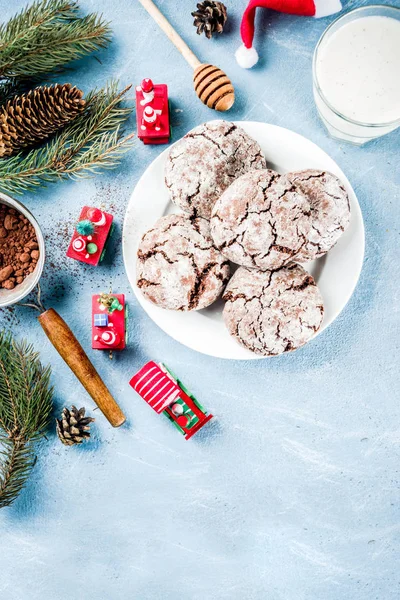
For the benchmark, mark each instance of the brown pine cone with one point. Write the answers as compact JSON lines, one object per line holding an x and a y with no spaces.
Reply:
{"x":31,"y":118}
{"x":210,"y":17}
{"x":73,"y":427}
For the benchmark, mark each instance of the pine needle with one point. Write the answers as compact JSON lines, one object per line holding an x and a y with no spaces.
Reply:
{"x":91,"y":142}
{"x":25,"y":407}
{"x":46,"y":36}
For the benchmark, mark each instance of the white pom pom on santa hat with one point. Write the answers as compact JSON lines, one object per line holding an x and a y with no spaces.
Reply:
{"x":246,"y":55}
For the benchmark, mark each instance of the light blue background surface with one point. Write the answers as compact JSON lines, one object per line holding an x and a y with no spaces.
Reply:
{"x":292,"y":493}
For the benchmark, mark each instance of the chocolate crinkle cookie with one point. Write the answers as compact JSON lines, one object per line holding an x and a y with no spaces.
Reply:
{"x":330,"y":210}
{"x":261,"y":221}
{"x":206,"y":161}
{"x":178,"y":267}
{"x":271,"y":312}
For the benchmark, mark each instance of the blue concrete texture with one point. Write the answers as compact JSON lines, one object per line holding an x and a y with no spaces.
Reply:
{"x":292,"y":493}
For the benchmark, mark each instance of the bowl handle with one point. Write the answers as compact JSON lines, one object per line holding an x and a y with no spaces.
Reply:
{"x":68,"y":347}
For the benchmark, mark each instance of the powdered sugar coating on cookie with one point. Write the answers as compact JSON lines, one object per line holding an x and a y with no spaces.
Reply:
{"x":330,"y":210}
{"x":178,"y":267}
{"x":271,"y":312}
{"x":206,"y":161}
{"x":261,"y":221}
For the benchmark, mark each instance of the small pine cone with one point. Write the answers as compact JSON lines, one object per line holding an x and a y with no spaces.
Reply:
{"x":210,"y":17}
{"x":31,"y":118}
{"x":73,"y":427}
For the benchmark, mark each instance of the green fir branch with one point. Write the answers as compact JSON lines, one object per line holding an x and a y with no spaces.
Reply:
{"x":91,"y":142}
{"x":46,"y":36}
{"x":25,"y":407}
{"x":16,"y":464}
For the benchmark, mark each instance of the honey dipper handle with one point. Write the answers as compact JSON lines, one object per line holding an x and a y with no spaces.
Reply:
{"x":74,"y":355}
{"x":171,"y":33}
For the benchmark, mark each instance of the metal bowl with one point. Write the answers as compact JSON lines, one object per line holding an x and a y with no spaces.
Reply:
{"x":8,"y":297}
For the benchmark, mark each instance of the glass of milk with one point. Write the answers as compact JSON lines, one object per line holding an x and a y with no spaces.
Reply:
{"x":356,"y":74}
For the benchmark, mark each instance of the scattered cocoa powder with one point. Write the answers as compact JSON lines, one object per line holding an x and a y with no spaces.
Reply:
{"x":19,"y":248}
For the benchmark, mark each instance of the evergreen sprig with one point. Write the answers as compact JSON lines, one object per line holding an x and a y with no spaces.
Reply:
{"x":25,"y":407}
{"x":91,"y":142}
{"x":46,"y":36}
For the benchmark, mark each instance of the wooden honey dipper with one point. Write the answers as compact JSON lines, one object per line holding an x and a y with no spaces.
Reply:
{"x":211,"y":84}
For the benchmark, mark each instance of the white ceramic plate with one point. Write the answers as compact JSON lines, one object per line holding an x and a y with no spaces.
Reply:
{"x":336,"y":273}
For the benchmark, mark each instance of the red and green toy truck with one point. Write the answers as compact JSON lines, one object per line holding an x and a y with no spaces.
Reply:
{"x":166,"y":394}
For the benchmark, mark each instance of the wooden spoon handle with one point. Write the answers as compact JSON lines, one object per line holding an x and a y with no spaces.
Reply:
{"x":74,"y":355}
{"x":170,"y":32}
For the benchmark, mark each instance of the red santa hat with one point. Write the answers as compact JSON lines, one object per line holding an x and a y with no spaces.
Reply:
{"x":246,"y":55}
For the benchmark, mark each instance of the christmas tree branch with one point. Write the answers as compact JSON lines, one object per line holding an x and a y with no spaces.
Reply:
{"x":15,"y":469}
{"x":25,"y":407}
{"x":46,"y":36}
{"x":90,"y":142}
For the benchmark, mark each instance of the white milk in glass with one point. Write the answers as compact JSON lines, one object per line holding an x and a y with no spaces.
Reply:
{"x":357,"y":76}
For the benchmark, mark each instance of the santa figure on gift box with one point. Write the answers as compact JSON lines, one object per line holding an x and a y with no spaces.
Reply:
{"x":247,"y":55}
{"x":150,"y":119}
{"x":147,"y":89}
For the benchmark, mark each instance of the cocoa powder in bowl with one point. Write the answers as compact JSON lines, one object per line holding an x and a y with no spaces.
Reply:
{"x":19,"y":248}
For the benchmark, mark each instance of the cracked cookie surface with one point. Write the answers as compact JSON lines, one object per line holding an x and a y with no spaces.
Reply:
{"x":271,"y":312}
{"x":330,"y":210}
{"x":178,"y":266}
{"x":206,"y":161}
{"x":261,"y":221}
